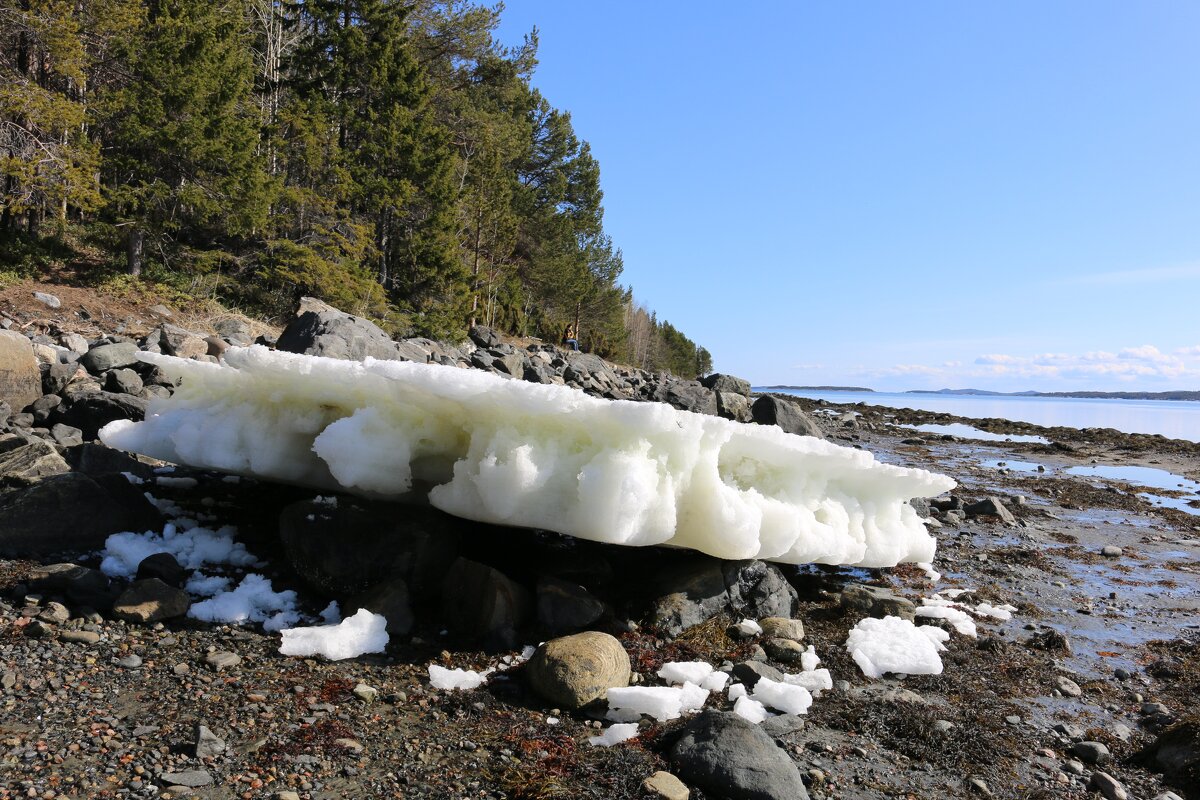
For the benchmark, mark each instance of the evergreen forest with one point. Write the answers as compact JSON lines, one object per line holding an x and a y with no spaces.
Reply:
{"x":391,"y":158}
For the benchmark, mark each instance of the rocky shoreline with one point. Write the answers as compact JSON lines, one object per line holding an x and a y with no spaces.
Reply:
{"x":109,"y":689}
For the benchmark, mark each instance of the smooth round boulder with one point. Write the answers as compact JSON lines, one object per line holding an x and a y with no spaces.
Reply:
{"x":574,"y":671}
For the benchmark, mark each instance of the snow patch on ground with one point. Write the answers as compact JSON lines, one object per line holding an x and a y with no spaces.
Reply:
{"x":352,"y":637}
{"x":896,"y":645}
{"x":254,"y":600}
{"x":192,"y":546}
{"x":615,"y":734}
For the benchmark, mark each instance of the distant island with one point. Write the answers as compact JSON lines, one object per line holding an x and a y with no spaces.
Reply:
{"x":1180,"y":395}
{"x":822,"y":388}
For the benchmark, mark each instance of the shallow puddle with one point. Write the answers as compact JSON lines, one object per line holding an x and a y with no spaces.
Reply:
{"x":1149,"y":477}
{"x":967,"y":432}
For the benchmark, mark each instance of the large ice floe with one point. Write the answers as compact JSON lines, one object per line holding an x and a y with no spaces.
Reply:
{"x":540,"y":456}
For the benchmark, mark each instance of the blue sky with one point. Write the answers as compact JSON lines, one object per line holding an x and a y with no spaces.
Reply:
{"x":899,"y":195}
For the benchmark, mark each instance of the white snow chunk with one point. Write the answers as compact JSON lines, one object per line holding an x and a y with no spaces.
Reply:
{"x":815,"y":681}
{"x":455,"y":679}
{"x":362,"y":633}
{"x":750,"y":709}
{"x":254,"y":600}
{"x":536,"y":456}
{"x":177,"y":483}
{"x":551,"y":720}
{"x":960,"y":619}
{"x":737,"y":691}
{"x":206,"y":585}
{"x":748,"y":627}
{"x":933,"y":575}
{"x":893,"y":644}
{"x":660,"y":702}
{"x":615,"y":734}
{"x":954,"y":594}
{"x":331,"y":614}
{"x":622,"y":715}
{"x":692,"y":697}
{"x":809,"y":659}
{"x":134,"y":479}
{"x":782,"y":696}
{"x":192,"y":546}
{"x":714,"y":681}
{"x":684,"y":671}
{"x":1002,"y":612}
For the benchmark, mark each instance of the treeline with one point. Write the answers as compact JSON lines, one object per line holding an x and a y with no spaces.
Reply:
{"x":390,"y":157}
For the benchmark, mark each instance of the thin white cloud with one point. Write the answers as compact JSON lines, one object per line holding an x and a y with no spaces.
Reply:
{"x":1182,"y":272}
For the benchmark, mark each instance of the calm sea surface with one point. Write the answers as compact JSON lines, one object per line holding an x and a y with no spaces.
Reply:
{"x":1175,"y":419}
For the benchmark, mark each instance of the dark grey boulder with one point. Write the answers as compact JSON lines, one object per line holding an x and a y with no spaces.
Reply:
{"x":727,"y":756}
{"x":101,"y":359}
{"x":768,"y":410}
{"x":322,"y":330}
{"x":44,"y":407}
{"x":719,"y":382}
{"x":163,"y":566}
{"x":63,"y":513}
{"x":57,"y":376}
{"x":1176,"y":752}
{"x":733,"y":406}
{"x":30,"y":463}
{"x":150,"y":600}
{"x":347,"y":548}
{"x":123,"y":381}
{"x":65,"y":435}
{"x":92,"y":412}
{"x":565,"y":607}
{"x":390,"y":599}
{"x":876,"y":601}
{"x":484,"y":336}
{"x":691,"y":396}
{"x":82,"y":586}
{"x":483,"y":604}
{"x":97,"y":459}
{"x":704,"y":587}
{"x":991,"y":507}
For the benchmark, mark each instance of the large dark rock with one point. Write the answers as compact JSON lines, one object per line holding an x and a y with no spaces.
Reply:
{"x":573,"y":671}
{"x":163,"y":566}
{"x":691,"y":396}
{"x":727,"y":756}
{"x":91,"y":412}
{"x":1176,"y":752}
{"x":151,"y":600}
{"x":97,"y":459}
{"x":876,"y":601}
{"x":733,"y":406}
{"x":483,"y":604}
{"x":390,"y":599}
{"x":322,"y":330}
{"x":768,"y":410}
{"x":347,"y":548}
{"x":991,"y":507}
{"x":123,"y":381}
{"x":101,"y":359}
{"x":704,"y":587}
{"x":63,"y":513}
{"x":564,"y":607}
{"x":36,"y":460}
{"x":20,"y":376}
{"x":719,"y":382}
{"x":81,"y":586}
{"x":484,"y":336}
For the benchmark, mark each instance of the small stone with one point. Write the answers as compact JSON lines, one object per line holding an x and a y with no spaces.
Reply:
{"x":365,"y":693}
{"x":55,"y":613}
{"x":1068,"y":687}
{"x":208,"y":744}
{"x":191,"y":778}
{"x":353,"y":745}
{"x":978,"y":786}
{"x":1111,"y":551}
{"x":943,"y":725}
{"x":181,"y":669}
{"x":786,"y":651}
{"x":222,"y":660}
{"x":151,"y":600}
{"x":79,"y":637}
{"x":782,"y":628}
{"x":1122,"y":674}
{"x":1073,"y":767}
{"x":1108,"y":786}
{"x":48,"y":300}
{"x":1091,"y":752}
{"x":286,"y":796}
{"x":131,"y":661}
{"x":665,"y":785}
